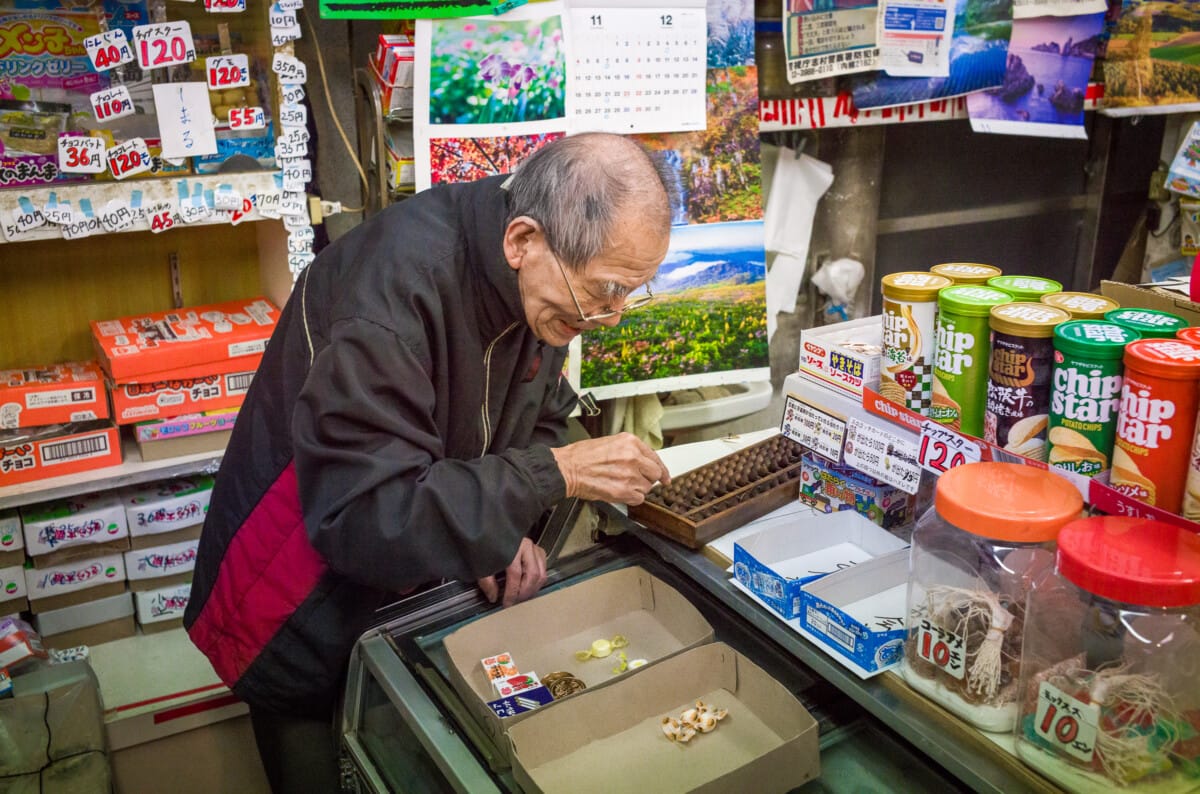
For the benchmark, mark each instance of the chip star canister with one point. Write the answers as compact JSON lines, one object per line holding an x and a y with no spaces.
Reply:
{"x":909,"y":315}
{"x":960,"y":361}
{"x":1081,"y":305}
{"x":966,"y":272}
{"x":1149,"y":323}
{"x":1025,"y":288}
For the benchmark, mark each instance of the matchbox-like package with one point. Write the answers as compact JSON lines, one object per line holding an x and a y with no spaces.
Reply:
{"x":845,"y":355}
{"x":135,"y":402}
{"x":168,"y":603}
{"x":56,"y":450}
{"x":147,"y":345}
{"x":53,"y":394}
{"x":160,"y":561}
{"x":74,"y":521}
{"x":167,"y":505}
{"x":46,"y":586}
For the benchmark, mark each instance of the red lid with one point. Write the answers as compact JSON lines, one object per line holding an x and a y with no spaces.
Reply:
{"x":1191,"y":333}
{"x":1007,"y":501}
{"x":1174,"y":359}
{"x":1132,"y":560}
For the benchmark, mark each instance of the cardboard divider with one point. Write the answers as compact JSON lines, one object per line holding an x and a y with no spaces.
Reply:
{"x":767,"y":743}
{"x":543,"y":634}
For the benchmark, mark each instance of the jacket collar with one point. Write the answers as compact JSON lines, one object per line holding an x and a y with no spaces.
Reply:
{"x":484,"y":207}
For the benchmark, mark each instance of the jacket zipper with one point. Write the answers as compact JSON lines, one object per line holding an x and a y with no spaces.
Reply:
{"x":487,"y":388}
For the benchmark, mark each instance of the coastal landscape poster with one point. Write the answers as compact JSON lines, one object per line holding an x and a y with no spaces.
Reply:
{"x":1049,"y":63}
{"x":710,"y":317}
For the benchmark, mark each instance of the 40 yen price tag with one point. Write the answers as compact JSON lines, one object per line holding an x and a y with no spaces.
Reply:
{"x":247,"y":118}
{"x":112,"y":103}
{"x":227,"y":71}
{"x":79,"y":154}
{"x":942,"y":449}
{"x":163,"y":44}
{"x":129,"y":158}
{"x":108,"y":49}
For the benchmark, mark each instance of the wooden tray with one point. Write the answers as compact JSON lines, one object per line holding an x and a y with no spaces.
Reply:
{"x":707,"y":502}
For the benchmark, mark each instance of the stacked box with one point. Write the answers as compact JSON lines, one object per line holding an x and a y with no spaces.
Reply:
{"x":831,"y":487}
{"x":27,"y":455}
{"x":76,"y":582}
{"x":87,"y":623}
{"x":162,"y":609}
{"x":52,"y":394}
{"x":167,"y":506}
{"x":74,"y":528}
{"x":12,"y":539}
{"x":161,"y":566}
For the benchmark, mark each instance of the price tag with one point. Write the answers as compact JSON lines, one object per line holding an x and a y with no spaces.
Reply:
{"x":247,"y":118}
{"x":241,"y":212}
{"x":882,"y":454}
{"x":942,"y":449}
{"x":163,"y":44}
{"x":297,"y":262}
{"x":79,"y":154}
{"x":26,"y":216}
{"x":303,"y":233}
{"x":111,"y":103}
{"x":289,"y":151}
{"x":108,"y":49}
{"x":942,"y":648}
{"x":289,"y":69}
{"x":1068,"y":724}
{"x":192,"y":208}
{"x":135,"y":206}
{"x":226,"y":198}
{"x":117,"y":215}
{"x":224,"y":6}
{"x":227,"y":71}
{"x":299,"y":244}
{"x":290,"y":5}
{"x":292,"y":204}
{"x":85,"y":224}
{"x":297,"y":136}
{"x":297,"y":175}
{"x":821,"y":432}
{"x":292,"y":94}
{"x":56,"y":211}
{"x":281,"y":36}
{"x":281,"y":17}
{"x":162,"y":216}
{"x":268,"y":203}
{"x":293,"y":116}
{"x":129,"y":158}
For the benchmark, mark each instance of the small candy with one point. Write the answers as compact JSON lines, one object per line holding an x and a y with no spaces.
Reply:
{"x":601,"y":648}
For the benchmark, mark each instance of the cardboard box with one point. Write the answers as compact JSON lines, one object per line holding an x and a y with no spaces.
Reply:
{"x":860,"y":611}
{"x":54,"y":394}
{"x":143,"y":345}
{"x":167,"y":505}
{"x":72,"y":522}
{"x":777,"y":562}
{"x":57,"y":626}
{"x":151,"y":565}
{"x":162,"y":605}
{"x":18,"y":644}
{"x":141,"y":542}
{"x":135,"y":402}
{"x":201,"y":424}
{"x":611,"y":738}
{"x":845,"y":355}
{"x":58,"y":450}
{"x":12,"y":539}
{"x":1152,"y":298}
{"x":184,"y":445}
{"x":544,"y":633}
{"x":74,"y":583}
{"x":830,"y":488}
{"x":12,"y":590}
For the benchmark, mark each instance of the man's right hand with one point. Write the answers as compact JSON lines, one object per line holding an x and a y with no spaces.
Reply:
{"x":620,"y":468}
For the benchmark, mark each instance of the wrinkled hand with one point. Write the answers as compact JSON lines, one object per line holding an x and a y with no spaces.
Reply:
{"x":524,"y":576}
{"x":618,"y":468}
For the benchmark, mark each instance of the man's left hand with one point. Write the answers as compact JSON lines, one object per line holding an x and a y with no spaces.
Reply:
{"x":524,"y":576}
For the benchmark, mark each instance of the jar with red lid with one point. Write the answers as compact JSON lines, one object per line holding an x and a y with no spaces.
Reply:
{"x":987,"y":541}
{"x":1110,"y":671}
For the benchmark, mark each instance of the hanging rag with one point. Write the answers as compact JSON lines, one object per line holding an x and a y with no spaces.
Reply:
{"x":643,"y":417}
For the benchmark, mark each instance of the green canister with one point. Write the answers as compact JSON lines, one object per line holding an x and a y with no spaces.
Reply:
{"x":960,"y":373}
{"x":1149,"y":323}
{"x":1025,"y":288}
{"x":1085,"y":396}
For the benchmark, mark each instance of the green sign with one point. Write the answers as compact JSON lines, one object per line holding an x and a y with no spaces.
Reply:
{"x":413,"y":9}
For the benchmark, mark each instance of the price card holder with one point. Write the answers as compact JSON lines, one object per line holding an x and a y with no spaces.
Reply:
{"x":108,"y":49}
{"x":112,"y":103}
{"x":56,"y":211}
{"x":79,"y":154}
{"x":247,"y":118}
{"x":1067,"y":723}
{"x":942,"y":448}
{"x":817,"y":430}
{"x":289,"y":69}
{"x":882,"y":454}
{"x":163,"y":44}
{"x":129,"y":158}
{"x":227,"y":71}
{"x":26,"y":216}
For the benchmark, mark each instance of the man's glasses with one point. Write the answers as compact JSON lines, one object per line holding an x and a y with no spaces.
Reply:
{"x":632,"y":305}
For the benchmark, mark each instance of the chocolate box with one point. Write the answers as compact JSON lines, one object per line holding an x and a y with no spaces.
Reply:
{"x":57,"y":450}
{"x":135,"y":402}
{"x":53,"y":394}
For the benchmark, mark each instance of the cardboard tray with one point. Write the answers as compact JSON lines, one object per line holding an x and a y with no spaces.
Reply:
{"x":543,"y":634}
{"x":611,"y":739}
{"x":703,"y":521}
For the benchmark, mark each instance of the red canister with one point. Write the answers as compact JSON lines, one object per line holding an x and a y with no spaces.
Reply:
{"x":1157,"y":420}
{"x":1189,"y":334}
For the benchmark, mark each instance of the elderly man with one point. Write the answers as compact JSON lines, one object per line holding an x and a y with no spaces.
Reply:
{"x":407,"y":425}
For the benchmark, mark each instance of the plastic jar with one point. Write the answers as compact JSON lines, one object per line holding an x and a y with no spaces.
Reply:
{"x":967,"y":272}
{"x":987,"y":542}
{"x":1085,"y":397}
{"x":1149,"y":323}
{"x":1110,"y":672}
{"x":909,"y":310}
{"x":1081,"y":305}
{"x":1019,"y":370}
{"x":1025,"y":288}
{"x":1157,"y":421}
{"x":963,"y":342}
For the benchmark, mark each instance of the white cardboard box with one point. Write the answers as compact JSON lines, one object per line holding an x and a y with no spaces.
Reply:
{"x":74,"y":576}
{"x":168,"y":603}
{"x":824,"y":354}
{"x":11,"y":537}
{"x":167,"y":505}
{"x":12,"y":583}
{"x":72,"y":522}
{"x":90,"y":613}
{"x":160,"y":561}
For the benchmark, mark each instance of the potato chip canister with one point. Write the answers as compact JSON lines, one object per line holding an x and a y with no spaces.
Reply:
{"x":966,"y":272}
{"x":909,"y":314}
{"x":960,"y":362}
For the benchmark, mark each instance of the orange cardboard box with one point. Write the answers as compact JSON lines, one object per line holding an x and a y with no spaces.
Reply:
{"x":82,"y":448}
{"x":53,"y":394}
{"x":136,"y":402}
{"x":138,"y":347}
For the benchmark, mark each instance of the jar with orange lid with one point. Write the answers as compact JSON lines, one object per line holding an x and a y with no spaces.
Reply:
{"x":986,"y":543}
{"x":1110,"y":668}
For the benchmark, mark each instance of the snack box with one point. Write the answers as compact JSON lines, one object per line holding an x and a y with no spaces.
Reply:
{"x":544,"y":633}
{"x":140,"y":346}
{"x":844,"y":355}
{"x":162,"y":608}
{"x":829,"y":487}
{"x":12,"y":590}
{"x":75,"y":582}
{"x":167,"y":505}
{"x":54,"y":394}
{"x":12,"y":539}
{"x":776,"y":562}
{"x":18,"y":643}
{"x":611,"y":738}
{"x":185,"y":426}
{"x":73,"y":521}
{"x":859,"y":612}
{"x":56,"y":450}
{"x":90,"y":623}
{"x":138,"y":401}
{"x":147,"y":568}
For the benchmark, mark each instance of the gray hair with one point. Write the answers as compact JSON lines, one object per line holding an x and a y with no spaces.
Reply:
{"x":577,"y":187}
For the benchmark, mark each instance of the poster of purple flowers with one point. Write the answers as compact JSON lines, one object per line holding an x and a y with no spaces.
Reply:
{"x":496,"y":71}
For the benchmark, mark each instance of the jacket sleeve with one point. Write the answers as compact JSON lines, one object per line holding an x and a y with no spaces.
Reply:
{"x":381,"y":502}
{"x":559,"y":401}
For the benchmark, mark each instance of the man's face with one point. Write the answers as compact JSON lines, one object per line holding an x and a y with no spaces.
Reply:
{"x":546,"y":288}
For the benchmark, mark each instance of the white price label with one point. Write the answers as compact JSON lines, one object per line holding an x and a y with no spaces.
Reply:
{"x":108,"y":49}
{"x":292,"y":204}
{"x":293,"y":116}
{"x":162,"y":216}
{"x":164,"y":44}
{"x":297,"y":262}
{"x":241,"y":212}
{"x":290,"y":5}
{"x":226,"y":198}
{"x":117,"y":215}
{"x":882,"y":454}
{"x":278,"y":17}
{"x":291,"y":222}
{"x":289,"y":69}
{"x":810,"y":426}
{"x":247,"y":118}
{"x":224,"y":6}
{"x":79,"y":154}
{"x":268,"y":203}
{"x":111,"y":103}
{"x":129,"y":158}
{"x":1067,"y":723}
{"x":281,"y":36}
{"x":292,"y":94}
{"x":296,"y":136}
{"x":942,"y":648}
{"x":27,"y":216}
{"x":285,"y":150}
{"x":56,"y":211}
{"x":942,"y":448}
{"x":83,"y":226}
{"x":194,"y":210}
{"x":295,"y":177}
{"x":227,"y":71}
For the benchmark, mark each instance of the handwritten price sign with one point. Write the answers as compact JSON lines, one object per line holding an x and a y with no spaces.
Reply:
{"x":78,"y":154}
{"x":943,"y":449}
{"x":162,"y":216}
{"x":164,"y":44}
{"x":108,"y":49}
{"x":289,"y":69}
{"x":129,"y":158}
{"x":224,"y":6}
{"x":112,"y":103}
{"x":293,"y":115}
{"x":247,"y":118}
{"x":227,"y":71}
{"x":292,"y":94}
{"x":1068,"y":724}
